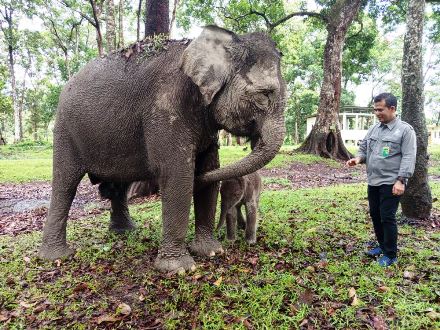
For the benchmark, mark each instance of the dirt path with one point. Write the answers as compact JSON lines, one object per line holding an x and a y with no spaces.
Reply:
{"x":23,"y":207}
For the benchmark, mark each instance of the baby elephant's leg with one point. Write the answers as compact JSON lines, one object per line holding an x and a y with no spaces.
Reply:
{"x":251,"y":222}
{"x":241,"y":221}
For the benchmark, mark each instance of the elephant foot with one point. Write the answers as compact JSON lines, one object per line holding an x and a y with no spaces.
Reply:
{"x":206,"y":247}
{"x":251,"y":240}
{"x":169,"y":262}
{"x":53,"y":252}
{"x":120,"y":226}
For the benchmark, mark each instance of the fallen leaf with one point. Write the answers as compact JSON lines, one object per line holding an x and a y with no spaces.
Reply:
{"x":355,"y":301}
{"x":303,"y":322}
{"x":107,"y":318}
{"x":433,"y":315}
{"x":306,"y":297}
{"x":123,"y":309}
{"x":351,"y":292}
{"x":141,"y":297}
{"x":219,"y":281}
{"x":409,"y":275}
{"x":383,"y":288}
{"x":81,"y":287}
{"x":27,"y":259}
{"x":3,"y":318}
{"x":196,"y":276}
{"x":311,"y":269}
{"x":379,"y":323}
{"x":27,"y":305}
{"x":40,"y":308}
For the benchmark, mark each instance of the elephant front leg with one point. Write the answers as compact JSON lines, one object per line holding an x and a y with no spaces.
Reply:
{"x":205,"y":202}
{"x":176,"y":202}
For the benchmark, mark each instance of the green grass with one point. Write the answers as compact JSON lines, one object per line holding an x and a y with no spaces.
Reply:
{"x":308,"y":255}
{"x":27,"y":162}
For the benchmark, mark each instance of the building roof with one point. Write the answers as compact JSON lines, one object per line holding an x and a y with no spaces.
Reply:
{"x":351,"y":109}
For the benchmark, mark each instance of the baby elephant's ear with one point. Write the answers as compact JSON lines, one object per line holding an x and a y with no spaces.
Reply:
{"x":207,"y":61}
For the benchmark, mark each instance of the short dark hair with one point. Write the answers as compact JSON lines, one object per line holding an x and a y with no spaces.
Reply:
{"x":390,"y":99}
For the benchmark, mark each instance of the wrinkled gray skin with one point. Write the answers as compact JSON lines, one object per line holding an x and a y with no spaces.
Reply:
{"x":122,"y":120}
{"x":235,"y":193}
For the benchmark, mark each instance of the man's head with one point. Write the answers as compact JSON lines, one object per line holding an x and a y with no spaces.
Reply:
{"x":385,"y":105}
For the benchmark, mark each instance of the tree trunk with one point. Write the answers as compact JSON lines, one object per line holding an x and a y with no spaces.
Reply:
{"x":417,"y":200}
{"x":121,"y":24}
{"x":228,"y":139}
{"x":157,"y":17}
{"x":96,"y":14}
{"x":9,"y":37}
{"x":18,"y":132}
{"x":138,"y":20}
{"x":325,"y":138}
{"x":110,"y":22}
{"x":173,"y":15}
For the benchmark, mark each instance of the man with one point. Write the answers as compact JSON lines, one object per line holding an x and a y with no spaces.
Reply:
{"x":389,"y":150}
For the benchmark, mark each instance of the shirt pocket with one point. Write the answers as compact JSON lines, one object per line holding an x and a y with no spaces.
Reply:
{"x":393,"y":145}
{"x":372,"y":143}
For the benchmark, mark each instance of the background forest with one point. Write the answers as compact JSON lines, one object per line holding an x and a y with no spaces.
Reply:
{"x":45,"y":42}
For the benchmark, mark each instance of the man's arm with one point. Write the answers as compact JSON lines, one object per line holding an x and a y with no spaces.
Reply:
{"x":409,"y":151}
{"x":361,"y":155}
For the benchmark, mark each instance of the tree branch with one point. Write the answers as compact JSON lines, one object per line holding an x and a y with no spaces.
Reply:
{"x":60,"y":41}
{"x":63,"y":2}
{"x":271,"y":25}
{"x":357,"y":33}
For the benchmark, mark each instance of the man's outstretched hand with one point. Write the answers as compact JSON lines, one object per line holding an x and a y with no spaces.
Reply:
{"x":353,"y":161}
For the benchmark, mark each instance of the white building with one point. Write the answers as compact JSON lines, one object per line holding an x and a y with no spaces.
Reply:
{"x":354,"y":123}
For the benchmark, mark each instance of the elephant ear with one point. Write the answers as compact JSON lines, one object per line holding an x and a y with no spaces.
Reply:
{"x":207,"y":60}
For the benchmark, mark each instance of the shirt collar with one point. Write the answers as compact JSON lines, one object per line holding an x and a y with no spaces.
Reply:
{"x":391,"y":124}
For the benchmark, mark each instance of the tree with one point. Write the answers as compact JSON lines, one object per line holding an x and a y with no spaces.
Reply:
{"x":157,"y":19}
{"x":325,"y":138}
{"x":110,"y":21}
{"x":10,"y":35}
{"x":417,"y":200}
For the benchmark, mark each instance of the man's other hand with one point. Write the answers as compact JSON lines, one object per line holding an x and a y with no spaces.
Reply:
{"x":353,"y":161}
{"x":398,"y":188}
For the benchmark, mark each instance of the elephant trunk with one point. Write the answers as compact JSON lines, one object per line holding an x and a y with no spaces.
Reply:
{"x":269,"y":142}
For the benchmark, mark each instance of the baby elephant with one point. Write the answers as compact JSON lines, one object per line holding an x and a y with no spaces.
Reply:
{"x":236,"y":192}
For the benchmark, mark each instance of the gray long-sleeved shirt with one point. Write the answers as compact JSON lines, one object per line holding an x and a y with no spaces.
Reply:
{"x":389,"y":150}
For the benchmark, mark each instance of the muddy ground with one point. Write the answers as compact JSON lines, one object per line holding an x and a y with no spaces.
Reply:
{"x":23,"y":207}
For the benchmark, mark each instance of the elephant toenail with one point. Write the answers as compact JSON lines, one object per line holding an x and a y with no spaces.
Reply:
{"x":212,"y":253}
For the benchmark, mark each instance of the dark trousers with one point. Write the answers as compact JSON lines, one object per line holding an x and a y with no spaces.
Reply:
{"x":383,"y":208}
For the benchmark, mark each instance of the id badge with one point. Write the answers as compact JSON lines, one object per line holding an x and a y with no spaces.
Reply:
{"x":385,"y":151}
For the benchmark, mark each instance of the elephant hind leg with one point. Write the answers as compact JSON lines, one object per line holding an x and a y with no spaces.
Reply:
{"x":120,"y":220}
{"x":251,"y":222}
{"x":66,"y":177}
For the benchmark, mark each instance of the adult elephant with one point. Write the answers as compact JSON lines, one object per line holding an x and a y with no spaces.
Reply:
{"x":155,"y":113}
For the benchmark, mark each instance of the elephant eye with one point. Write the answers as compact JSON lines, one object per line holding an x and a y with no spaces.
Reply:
{"x":268,"y":93}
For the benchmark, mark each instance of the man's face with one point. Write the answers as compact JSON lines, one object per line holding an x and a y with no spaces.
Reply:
{"x":383,"y":113}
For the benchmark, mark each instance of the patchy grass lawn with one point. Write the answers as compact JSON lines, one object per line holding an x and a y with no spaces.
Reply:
{"x":26,"y":162}
{"x":307,"y":268}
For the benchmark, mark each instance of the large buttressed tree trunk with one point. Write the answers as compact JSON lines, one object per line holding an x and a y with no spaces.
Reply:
{"x":417,"y":201}
{"x":157,"y":17}
{"x":325,"y":138}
